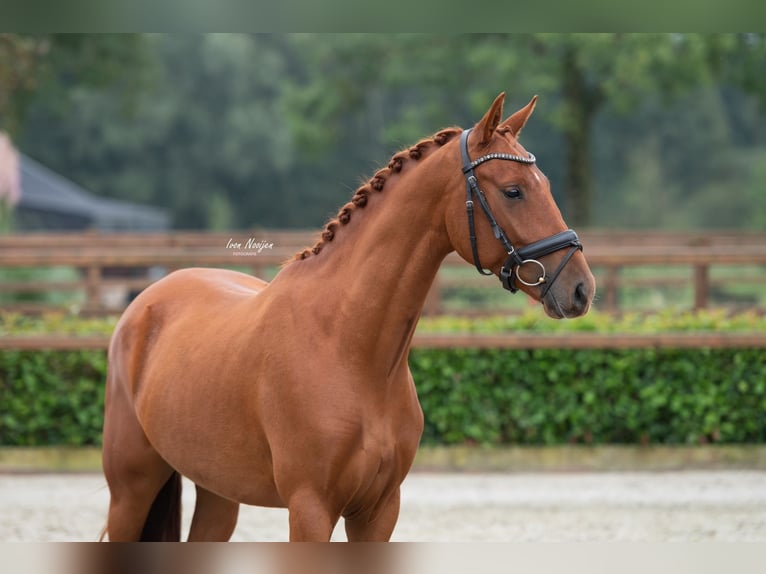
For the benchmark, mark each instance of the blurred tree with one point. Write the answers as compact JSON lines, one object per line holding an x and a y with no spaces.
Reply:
{"x":204,"y":137}
{"x":689,"y":157}
{"x":738,"y":60}
{"x":591,"y":73}
{"x":232,"y":130}
{"x":361,"y":97}
{"x":48,"y":66}
{"x":20,"y":59}
{"x":402,"y":84}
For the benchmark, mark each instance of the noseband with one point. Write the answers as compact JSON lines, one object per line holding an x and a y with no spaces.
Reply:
{"x":527,"y":255}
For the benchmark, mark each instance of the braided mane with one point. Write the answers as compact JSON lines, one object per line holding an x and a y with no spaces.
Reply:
{"x":375,"y":184}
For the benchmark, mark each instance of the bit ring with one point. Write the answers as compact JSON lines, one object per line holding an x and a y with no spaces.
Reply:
{"x":540,"y":280}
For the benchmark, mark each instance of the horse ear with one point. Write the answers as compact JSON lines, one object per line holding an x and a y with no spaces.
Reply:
{"x":517,"y":121}
{"x":488,"y":124}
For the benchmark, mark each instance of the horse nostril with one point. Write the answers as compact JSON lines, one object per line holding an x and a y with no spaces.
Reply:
{"x":580,"y":296}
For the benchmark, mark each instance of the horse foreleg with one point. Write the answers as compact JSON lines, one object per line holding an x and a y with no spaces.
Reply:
{"x":214,"y":518}
{"x":366,"y":528}
{"x":310,"y":519}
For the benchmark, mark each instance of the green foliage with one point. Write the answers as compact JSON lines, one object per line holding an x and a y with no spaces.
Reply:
{"x":51,"y":398}
{"x":664,"y":321}
{"x":202,"y":137}
{"x":20,"y":57}
{"x":41,"y":275}
{"x":553,"y":396}
{"x":645,"y":396}
{"x":58,"y":323}
{"x":233,"y":130}
{"x":475,"y":396}
{"x":53,"y":68}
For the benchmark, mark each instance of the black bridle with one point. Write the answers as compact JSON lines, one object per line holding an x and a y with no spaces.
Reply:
{"x":527,"y":255}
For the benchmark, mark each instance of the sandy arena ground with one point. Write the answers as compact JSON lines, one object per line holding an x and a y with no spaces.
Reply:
{"x":604,"y":507}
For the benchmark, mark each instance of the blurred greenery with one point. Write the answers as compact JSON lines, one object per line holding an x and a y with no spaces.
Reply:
{"x":663,"y":321}
{"x":41,"y":275}
{"x":532,"y":320}
{"x":276,"y":130}
{"x":342,"y":15}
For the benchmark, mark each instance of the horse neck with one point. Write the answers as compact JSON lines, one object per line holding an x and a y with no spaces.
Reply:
{"x":370,"y":283}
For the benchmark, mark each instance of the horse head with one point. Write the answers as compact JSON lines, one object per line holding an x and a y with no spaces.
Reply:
{"x":515,"y":229}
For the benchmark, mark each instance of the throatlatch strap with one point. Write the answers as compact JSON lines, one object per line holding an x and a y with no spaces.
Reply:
{"x":470,"y":183}
{"x":472,"y":235}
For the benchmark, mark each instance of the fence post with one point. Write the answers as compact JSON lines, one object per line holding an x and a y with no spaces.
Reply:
{"x":611,"y":285}
{"x":433,"y":302}
{"x":701,"y":285}
{"x":93,"y":288}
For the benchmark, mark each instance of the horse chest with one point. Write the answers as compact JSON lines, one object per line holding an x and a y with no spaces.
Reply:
{"x":389,"y":446}
{"x":380,"y":469}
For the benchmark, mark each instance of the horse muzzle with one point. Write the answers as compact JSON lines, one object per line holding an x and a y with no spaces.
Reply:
{"x":563,"y":303}
{"x":528,"y":259}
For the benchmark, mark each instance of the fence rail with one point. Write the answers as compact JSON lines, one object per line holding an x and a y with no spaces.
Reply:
{"x":111,"y":266}
{"x":467,"y":341}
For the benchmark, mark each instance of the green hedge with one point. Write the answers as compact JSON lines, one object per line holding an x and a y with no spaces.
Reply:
{"x":51,"y":397}
{"x":669,"y":396}
{"x":571,"y":396}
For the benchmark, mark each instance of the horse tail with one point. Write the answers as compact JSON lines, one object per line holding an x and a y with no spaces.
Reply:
{"x":163,"y":523}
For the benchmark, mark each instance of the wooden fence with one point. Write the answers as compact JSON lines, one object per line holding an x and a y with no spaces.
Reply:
{"x":111,"y":267}
{"x":57,"y":342}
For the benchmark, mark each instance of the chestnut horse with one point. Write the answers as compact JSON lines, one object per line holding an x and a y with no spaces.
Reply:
{"x":297,"y":393}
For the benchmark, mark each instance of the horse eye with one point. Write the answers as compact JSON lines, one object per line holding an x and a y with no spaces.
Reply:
{"x":512,"y":193}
